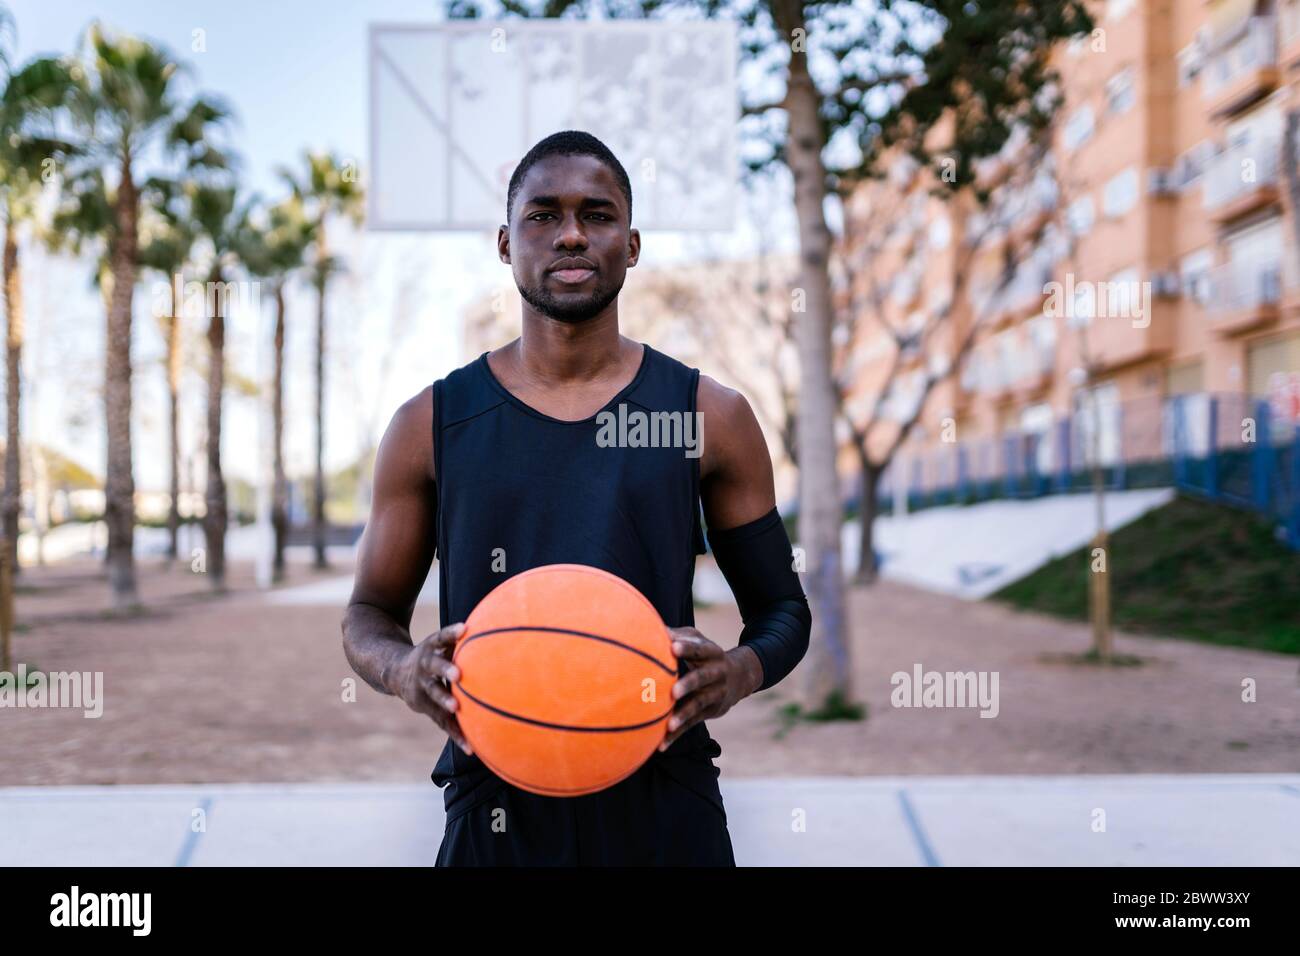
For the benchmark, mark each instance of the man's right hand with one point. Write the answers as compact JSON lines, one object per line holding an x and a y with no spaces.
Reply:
{"x":422,"y":677}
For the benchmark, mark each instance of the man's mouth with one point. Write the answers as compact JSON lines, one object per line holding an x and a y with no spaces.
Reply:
{"x":573,"y":276}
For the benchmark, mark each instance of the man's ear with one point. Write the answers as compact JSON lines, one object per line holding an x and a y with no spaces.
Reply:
{"x":503,"y":243}
{"x":633,"y":247}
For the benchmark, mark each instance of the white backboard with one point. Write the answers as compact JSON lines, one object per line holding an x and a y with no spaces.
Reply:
{"x":455,"y":106}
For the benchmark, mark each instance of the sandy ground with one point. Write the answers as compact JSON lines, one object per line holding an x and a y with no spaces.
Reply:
{"x":233,"y":688}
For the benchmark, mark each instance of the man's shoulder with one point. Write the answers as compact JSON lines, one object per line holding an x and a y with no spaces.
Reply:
{"x":718,"y":402}
{"x":465,"y":392}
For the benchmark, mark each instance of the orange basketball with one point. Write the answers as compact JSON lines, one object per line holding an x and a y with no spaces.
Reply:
{"x":566,"y":676}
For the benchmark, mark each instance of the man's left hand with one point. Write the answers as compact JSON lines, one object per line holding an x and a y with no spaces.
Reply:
{"x":716,"y":680}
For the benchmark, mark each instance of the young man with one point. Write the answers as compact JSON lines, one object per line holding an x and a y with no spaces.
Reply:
{"x":502,"y":464}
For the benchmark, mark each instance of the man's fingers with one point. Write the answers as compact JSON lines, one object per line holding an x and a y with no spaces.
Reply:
{"x":694,"y":648}
{"x":699,"y":678}
{"x":688,"y":715}
{"x":452,"y":726}
{"x":690,"y":710}
{"x":435,"y":666}
{"x":447,"y":636}
{"x":440,"y":695}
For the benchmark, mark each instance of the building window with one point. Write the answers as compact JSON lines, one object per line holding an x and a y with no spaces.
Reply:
{"x":1117,"y":9}
{"x":1191,"y":164}
{"x":1078,"y":128}
{"x":1121,"y":193}
{"x":1080,"y":216}
{"x":940,"y":232}
{"x":1120,"y":93}
{"x":1085,"y":305}
{"x":1194,"y":274}
{"x":1124,"y":295}
{"x":1189,"y":64}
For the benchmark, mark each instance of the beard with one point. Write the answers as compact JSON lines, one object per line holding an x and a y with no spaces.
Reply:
{"x":575,"y":309}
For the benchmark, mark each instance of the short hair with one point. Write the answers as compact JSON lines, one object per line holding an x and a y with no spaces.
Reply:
{"x":569,"y":142}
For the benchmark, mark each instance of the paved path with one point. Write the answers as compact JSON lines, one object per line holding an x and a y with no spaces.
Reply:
{"x":1201,"y":819}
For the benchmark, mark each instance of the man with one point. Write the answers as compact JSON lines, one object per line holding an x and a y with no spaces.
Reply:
{"x":507,"y":464}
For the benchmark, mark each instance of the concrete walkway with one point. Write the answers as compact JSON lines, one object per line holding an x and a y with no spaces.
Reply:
{"x":1160,"y":820}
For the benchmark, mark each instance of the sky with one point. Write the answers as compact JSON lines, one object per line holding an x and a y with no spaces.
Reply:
{"x":295,"y":74}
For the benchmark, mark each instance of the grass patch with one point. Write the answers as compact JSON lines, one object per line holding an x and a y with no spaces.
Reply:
{"x":1190,"y":569}
{"x":835,"y":707}
{"x":1091,"y":658}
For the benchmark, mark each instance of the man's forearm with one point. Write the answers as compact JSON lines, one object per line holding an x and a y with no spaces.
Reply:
{"x":756,"y":560}
{"x":374,"y":643}
{"x":751,"y":666}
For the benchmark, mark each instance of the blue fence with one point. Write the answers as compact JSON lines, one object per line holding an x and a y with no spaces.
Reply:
{"x":1229,"y":447}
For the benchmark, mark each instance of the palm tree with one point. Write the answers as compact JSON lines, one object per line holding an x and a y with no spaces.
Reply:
{"x":222,"y":221}
{"x":166,"y":249}
{"x":126,"y":101}
{"x":28,"y":152}
{"x":276,"y":252}
{"x":328,"y":189}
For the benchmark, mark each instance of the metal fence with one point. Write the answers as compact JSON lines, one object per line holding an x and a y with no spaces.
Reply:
{"x":1229,"y":447}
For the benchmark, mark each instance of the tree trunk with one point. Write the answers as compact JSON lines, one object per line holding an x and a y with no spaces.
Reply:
{"x":826,"y":670}
{"x":867,"y":570}
{"x":173,"y":418}
{"x":13,"y":393}
{"x":318,"y":517}
{"x":214,"y":521}
{"x":280,"y":492}
{"x":119,"y":484}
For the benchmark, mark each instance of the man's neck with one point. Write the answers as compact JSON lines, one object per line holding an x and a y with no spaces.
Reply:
{"x":551,"y":352}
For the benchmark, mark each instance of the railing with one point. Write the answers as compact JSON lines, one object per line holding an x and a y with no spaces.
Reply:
{"x":1255,"y":49}
{"x":1244,"y":285}
{"x":1241,"y":170}
{"x":1230,"y":447}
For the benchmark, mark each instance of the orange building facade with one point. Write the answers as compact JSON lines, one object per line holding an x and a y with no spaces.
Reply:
{"x":1153,"y":249}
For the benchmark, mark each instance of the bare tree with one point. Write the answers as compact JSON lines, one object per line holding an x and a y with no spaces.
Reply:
{"x":939,"y":346}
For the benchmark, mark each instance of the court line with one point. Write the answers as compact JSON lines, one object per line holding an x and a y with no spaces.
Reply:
{"x":918,"y":834}
{"x":192,"y":838}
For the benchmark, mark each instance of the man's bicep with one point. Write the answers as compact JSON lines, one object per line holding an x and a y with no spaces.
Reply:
{"x":738,"y":487}
{"x":396,"y":548}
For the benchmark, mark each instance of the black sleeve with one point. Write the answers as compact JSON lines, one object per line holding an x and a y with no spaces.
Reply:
{"x":756,"y":560}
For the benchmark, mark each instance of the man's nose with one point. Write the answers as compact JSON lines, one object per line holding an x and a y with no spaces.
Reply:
{"x":571,"y":235}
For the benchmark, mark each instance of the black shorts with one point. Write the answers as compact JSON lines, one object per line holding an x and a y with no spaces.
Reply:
{"x":668,"y":813}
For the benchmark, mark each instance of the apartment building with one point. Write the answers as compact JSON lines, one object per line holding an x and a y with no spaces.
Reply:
{"x":1153,"y":248}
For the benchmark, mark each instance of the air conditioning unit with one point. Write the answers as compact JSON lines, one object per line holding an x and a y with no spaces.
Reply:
{"x":1166,"y":285}
{"x":1163,"y":181}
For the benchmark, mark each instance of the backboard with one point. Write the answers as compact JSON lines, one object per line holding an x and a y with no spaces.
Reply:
{"x":454,"y":106}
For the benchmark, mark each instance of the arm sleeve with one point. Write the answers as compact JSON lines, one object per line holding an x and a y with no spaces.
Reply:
{"x":756,"y":560}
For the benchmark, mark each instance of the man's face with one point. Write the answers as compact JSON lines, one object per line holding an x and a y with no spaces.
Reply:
{"x":569,"y":244}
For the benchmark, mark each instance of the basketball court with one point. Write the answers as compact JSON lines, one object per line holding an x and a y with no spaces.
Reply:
{"x":1150,"y":820}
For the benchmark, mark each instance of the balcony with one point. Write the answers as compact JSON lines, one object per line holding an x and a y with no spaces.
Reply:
{"x":1244,"y":70}
{"x":1243,"y":179}
{"x":1024,"y":294}
{"x":1244,"y":296}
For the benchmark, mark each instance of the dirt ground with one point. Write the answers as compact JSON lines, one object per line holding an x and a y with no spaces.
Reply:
{"x":234,"y":689}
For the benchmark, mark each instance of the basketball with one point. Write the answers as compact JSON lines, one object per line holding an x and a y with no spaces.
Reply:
{"x":566,"y":676}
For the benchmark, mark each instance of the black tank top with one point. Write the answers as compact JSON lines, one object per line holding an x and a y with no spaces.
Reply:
{"x":519,"y":486}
